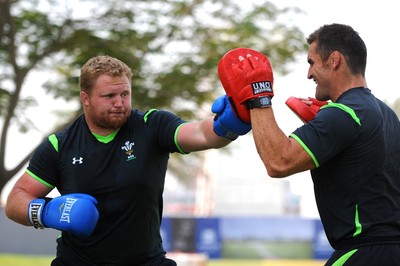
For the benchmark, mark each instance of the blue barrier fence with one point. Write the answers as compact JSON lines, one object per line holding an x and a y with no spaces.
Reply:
{"x":217,"y":237}
{"x":250,"y":237}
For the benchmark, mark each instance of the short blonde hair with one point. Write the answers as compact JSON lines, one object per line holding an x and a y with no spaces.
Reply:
{"x":99,"y":65}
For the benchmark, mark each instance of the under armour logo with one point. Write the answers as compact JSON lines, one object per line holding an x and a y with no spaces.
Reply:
{"x":77,"y":160}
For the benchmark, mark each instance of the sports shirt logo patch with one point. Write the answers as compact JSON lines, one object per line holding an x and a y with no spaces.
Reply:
{"x":78,"y":160}
{"x":261,"y":86}
{"x":128,"y":148}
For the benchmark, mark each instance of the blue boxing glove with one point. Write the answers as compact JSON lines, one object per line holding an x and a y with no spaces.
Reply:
{"x":226,"y":123}
{"x":75,"y":213}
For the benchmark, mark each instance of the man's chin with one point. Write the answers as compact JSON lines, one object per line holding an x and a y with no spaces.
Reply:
{"x":117,"y":123}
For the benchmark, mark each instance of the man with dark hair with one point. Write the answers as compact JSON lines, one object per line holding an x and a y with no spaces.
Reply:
{"x":351,"y":146}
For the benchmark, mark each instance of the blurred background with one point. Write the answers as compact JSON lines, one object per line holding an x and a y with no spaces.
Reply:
{"x":220,"y":205}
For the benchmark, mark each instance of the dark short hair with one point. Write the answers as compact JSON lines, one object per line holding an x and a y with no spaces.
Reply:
{"x":344,"y":39}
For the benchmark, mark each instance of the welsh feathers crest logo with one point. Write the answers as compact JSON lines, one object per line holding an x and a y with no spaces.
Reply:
{"x":128,"y":148}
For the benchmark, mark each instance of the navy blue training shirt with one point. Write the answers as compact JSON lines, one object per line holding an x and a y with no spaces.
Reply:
{"x":355,"y":144}
{"x":125,"y":172}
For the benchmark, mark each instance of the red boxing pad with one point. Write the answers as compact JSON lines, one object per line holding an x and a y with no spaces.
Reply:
{"x":245,"y":79}
{"x":304,"y":111}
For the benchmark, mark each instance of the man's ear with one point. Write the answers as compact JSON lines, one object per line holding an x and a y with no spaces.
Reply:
{"x":335,"y":59}
{"x":84,"y":98}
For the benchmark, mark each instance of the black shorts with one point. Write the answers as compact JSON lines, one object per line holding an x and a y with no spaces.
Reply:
{"x":158,"y":262}
{"x":65,"y":258}
{"x":375,"y":255}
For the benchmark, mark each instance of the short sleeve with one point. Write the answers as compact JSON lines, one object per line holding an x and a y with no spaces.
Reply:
{"x":331,"y":131}
{"x":43,"y":164}
{"x":166,"y":126}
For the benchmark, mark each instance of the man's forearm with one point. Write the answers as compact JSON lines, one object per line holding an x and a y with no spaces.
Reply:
{"x":281,"y":155}
{"x":17,"y":206}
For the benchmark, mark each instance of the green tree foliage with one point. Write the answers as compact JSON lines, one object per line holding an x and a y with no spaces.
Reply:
{"x":173,"y":48}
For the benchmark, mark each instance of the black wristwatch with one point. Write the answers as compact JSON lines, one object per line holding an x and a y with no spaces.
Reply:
{"x":260,"y":102}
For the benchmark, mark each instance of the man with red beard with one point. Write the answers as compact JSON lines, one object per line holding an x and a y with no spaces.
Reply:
{"x":109,"y":167}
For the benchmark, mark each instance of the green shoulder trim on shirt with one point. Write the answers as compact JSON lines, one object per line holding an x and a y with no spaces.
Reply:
{"x":146,"y":116}
{"x":344,"y":108}
{"x":341,"y":261}
{"x":105,"y":139}
{"x":305,"y":148}
{"x":54,"y":141}
{"x":39,"y":179}
{"x":357,"y":223}
{"x":176,"y":139}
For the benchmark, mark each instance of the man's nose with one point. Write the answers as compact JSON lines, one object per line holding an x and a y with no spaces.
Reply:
{"x":118,"y":101}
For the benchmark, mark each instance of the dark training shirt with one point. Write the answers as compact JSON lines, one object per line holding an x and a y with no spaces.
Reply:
{"x":355,"y":144}
{"x":125,"y":172}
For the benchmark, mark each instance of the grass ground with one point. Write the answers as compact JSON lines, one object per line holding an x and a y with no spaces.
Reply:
{"x":267,"y":249}
{"x":26,"y":260}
